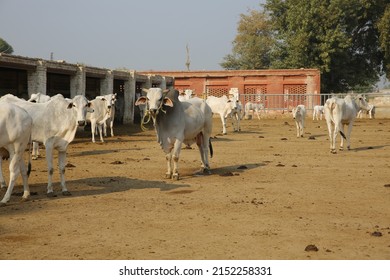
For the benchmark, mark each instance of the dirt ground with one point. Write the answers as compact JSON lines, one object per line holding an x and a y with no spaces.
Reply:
{"x":270,"y":195}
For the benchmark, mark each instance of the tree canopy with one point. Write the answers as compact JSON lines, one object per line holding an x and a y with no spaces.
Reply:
{"x":347,"y":40}
{"x":5,"y":47}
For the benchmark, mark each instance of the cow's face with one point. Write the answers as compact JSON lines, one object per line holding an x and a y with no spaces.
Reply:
{"x":296,"y":111}
{"x":362,"y":103}
{"x":82,"y":106}
{"x":234,"y":102}
{"x":154,"y":100}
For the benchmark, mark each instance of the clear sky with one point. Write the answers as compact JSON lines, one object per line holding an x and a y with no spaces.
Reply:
{"x":134,"y":34}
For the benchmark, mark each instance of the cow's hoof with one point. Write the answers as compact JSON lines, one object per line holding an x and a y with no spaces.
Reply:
{"x":206,"y":171}
{"x":34,"y":157}
{"x":51,"y":194}
{"x":168,"y":175}
{"x":2,"y":204}
{"x":333,"y":151}
{"x":24,"y":199}
{"x":175,"y":176}
{"x":66,"y":193}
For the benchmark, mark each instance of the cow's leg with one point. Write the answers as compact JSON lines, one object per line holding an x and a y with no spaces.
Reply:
{"x":175,"y":158}
{"x":14,"y":169}
{"x":349,"y":135}
{"x":223,"y":120}
{"x":302,"y":125}
{"x":332,"y":131}
{"x":342,"y":138}
{"x":105,"y":128}
{"x":234,"y":121}
{"x":61,"y":166}
{"x":23,"y":171}
{"x":100,"y":127}
{"x":258,"y":114}
{"x":13,"y":173}
{"x":202,"y":141}
{"x":238,"y":122}
{"x":93,"y":129}
{"x":49,"y":160}
{"x":2,"y":181}
{"x":297,"y":125}
{"x":35,"y":151}
{"x":112,"y":126}
{"x":168,"y":157}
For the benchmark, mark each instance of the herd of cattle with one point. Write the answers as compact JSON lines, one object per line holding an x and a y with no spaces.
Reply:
{"x":178,"y":118}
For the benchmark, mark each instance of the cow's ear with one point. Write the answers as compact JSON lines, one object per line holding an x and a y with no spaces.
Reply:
{"x":90,"y":107}
{"x":168,"y":102}
{"x":140,"y":101}
{"x":166,"y":90}
{"x":145,"y":90}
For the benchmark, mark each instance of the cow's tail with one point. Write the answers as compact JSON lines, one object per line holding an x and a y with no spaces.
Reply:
{"x":211,"y":148}
{"x":343,"y":135}
{"x":29,"y":156}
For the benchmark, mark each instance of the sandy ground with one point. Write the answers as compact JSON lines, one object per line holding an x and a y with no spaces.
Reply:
{"x":270,"y":195}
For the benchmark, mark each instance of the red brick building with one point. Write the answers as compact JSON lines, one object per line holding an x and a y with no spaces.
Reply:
{"x":253,"y":85}
{"x":281,"y":81}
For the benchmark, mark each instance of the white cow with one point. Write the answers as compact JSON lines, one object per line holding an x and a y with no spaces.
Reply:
{"x":236,"y":112}
{"x":39,"y":98}
{"x":186,"y":95}
{"x":111,"y":99}
{"x":15,"y":127}
{"x":255,"y":107}
{"x":54,"y":124}
{"x":299,"y":115}
{"x":340,"y":112}
{"x":222,"y":106}
{"x":101,"y":112}
{"x":178,"y":122}
{"x":318,"y":111}
{"x":370,"y":112}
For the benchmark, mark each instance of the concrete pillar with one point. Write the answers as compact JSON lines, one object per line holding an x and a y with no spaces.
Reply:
{"x":107,"y":84}
{"x":163,"y":84}
{"x":77,"y":82}
{"x":148,"y":83}
{"x":37,"y":79}
{"x":129,"y":99}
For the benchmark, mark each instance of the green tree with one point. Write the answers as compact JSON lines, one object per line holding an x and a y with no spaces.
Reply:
{"x":5,"y":47}
{"x":340,"y":37}
{"x":253,"y":43}
{"x":348,"y":40}
{"x":384,"y":38}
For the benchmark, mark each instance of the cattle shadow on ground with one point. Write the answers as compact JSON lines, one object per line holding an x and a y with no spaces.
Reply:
{"x":359,"y":149}
{"x":220,"y":139}
{"x":95,"y":186}
{"x":247,"y":132}
{"x":230,"y":170}
{"x":101,"y":152}
{"x":317,"y":135}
